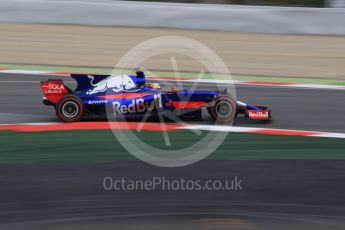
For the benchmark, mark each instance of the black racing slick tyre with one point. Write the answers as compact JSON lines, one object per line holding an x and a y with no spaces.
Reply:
{"x":224,"y":110}
{"x":70,"y":109}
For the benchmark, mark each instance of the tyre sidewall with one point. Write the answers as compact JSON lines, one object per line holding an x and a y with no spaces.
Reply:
{"x":63,"y":101}
{"x":232,"y":115}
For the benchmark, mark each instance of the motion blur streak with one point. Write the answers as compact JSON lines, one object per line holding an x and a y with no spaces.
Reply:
{"x":255,"y":54}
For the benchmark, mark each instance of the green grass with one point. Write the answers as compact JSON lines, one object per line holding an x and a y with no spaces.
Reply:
{"x":170,"y":74}
{"x":103,"y":146}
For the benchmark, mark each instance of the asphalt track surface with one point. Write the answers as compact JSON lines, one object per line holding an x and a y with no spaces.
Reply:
{"x":304,"y":109}
{"x":275,"y":195}
{"x":287,"y":194}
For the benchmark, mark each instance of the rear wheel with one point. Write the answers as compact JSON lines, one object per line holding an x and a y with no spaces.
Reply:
{"x":70,"y":109}
{"x":224,"y":110}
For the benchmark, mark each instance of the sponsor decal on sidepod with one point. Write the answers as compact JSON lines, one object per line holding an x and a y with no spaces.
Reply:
{"x":135,"y":106}
{"x":90,"y":102}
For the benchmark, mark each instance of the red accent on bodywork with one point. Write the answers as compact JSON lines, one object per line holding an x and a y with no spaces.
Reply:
{"x":125,"y":96}
{"x":54,"y":90}
{"x":189,"y":104}
{"x":258,"y":114}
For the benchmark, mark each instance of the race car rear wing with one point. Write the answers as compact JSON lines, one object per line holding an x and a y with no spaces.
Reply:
{"x":54,"y":90}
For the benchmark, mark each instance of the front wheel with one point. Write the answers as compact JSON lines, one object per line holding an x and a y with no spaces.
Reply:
{"x":70,"y":109}
{"x":224,"y":110}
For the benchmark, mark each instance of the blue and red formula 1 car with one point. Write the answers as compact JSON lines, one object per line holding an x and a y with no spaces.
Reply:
{"x":129,"y":96}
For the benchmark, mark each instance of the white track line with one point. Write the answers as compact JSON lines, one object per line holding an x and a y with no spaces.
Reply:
{"x":30,"y":72}
{"x":279,"y":132}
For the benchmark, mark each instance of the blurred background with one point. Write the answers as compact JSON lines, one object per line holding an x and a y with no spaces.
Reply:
{"x":53,"y":180}
{"x":309,"y":3}
{"x":252,"y":40}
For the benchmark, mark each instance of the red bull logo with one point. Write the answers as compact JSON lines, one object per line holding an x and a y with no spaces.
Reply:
{"x":136,"y":105}
{"x":115,"y":83}
{"x":258,"y":114}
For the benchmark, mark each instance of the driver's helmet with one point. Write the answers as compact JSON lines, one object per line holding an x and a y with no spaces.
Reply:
{"x":154,"y":86}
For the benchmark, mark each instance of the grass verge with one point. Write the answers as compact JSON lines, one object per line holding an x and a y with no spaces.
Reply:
{"x":103,"y":146}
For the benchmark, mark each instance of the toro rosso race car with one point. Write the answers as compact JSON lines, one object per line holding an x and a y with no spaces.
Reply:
{"x":129,"y":96}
